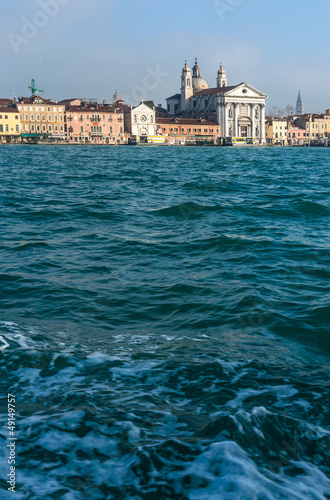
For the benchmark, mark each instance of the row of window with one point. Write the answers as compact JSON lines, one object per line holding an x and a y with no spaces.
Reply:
{"x":43,"y":118}
{"x":317,"y":125}
{"x":42,"y":108}
{"x":93,"y":118}
{"x":39,"y":128}
{"x":95,"y":130}
{"x":6,"y":117}
{"x":196,"y":130}
{"x":6,"y":129}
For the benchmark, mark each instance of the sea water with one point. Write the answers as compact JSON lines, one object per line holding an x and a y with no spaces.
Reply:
{"x":165,"y":322}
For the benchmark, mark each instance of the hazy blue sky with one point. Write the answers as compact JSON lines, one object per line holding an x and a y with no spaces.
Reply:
{"x":90,"y":48}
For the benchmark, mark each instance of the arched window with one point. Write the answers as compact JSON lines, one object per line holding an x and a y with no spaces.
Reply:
{"x":1,"y":128}
{"x":151,"y":119}
{"x":135,"y":118}
{"x":121,"y":130}
{"x":81,"y":129}
{"x":111,"y":131}
{"x":70,"y":130}
{"x":188,"y":82}
{"x":7,"y":128}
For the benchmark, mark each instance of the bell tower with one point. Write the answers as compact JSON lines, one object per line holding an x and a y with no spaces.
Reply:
{"x":221,"y":78}
{"x":186,"y":87}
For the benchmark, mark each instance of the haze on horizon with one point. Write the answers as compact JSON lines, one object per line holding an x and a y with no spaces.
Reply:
{"x":138,"y":47}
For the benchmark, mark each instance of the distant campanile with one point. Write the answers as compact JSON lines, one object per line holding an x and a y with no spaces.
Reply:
{"x":299,"y":105}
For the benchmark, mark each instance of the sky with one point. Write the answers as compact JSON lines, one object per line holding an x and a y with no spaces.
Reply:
{"x":91,"y":48}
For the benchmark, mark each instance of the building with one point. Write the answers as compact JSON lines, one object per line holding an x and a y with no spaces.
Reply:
{"x":91,"y":123}
{"x":296,"y":136}
{"x":41,"y":118}
{"x":181,"y":130}
{"x":276,"y":132}
{"x":299,"y":105}
{"x":140,"y":122}
{"x":10,"y":124}
{"x":317,"y":126}
{"x":239,"y":109}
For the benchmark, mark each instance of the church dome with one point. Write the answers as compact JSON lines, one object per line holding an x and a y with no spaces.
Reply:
{"x":199,"y":83}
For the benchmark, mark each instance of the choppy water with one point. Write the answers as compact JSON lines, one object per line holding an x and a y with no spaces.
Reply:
{"x":165,"y":322}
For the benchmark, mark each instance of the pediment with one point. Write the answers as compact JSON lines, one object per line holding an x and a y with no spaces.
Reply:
{"x":246,"y":90}
{"x":143,"y":108}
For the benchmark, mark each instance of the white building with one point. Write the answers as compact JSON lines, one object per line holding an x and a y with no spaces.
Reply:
{"x":239,"y":109}
{"x":141,"y":122}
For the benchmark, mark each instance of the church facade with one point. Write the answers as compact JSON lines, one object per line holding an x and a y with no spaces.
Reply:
{"x":239,"y":110}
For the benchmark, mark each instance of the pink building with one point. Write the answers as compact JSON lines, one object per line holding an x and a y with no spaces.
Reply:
{"x":94,"y":124}
{"x":296,"y":135}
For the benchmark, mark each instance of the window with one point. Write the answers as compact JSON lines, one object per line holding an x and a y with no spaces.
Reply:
{"x":205,"y":130}
{"x":61,"y":128}
{"x":164,"y":129}
{"x":17,"y":128}
{"x":176,"y":130}
{"x":6,"y":128}
{"x":1,"y":128}
{"x":31,"y":118}
{"x":111,"y":132}
{"x":56,"y":128}
{"x":189,"y":130}
{"x":82,"y":129}
{"x":44,"y":128}
{"x":38,"y":128}
{"x":55,"y":110}
{"x":26,"y":128}
{"x":135,"y":119}
{"x":32,"y":128}
{"x":38,"y":118}
{"x":49,"y":128}
{"x":61,"y":118}
{"x":16,"y":117}
{"x":211,"y":130}
{"x":26,"y":118}
{"x":199,"y":130}
{"x":6,"y":117}
{"x":171,"y":130}
{"x":194,"y":130}
{"x":121,"y":130}
{"x":182,"y":130}
{"x":103,"y":117}
{"x":55,"y":118}
{"x":49,"y":118}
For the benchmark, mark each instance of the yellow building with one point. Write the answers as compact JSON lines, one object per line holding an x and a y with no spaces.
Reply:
{"x":276,"y":132}
{"x":10,"y":124}
{"x":41,"y":118}
{"x":316,"y":126}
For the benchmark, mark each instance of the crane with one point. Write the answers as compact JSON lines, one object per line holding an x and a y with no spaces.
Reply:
{"x":33,"y":88}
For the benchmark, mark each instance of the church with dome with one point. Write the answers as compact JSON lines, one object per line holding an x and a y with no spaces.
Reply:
{"x":239,"y":110}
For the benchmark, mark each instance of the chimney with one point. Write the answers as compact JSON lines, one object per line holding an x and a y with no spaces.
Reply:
{"x":104,"y":102}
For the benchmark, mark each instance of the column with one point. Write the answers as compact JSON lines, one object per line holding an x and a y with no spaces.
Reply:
{"x":235,"y":132}
{"x":253,"y":115}
{"x":262,"y":124}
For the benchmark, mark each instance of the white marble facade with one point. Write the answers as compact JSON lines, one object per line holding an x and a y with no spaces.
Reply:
{"x":143,"y":121}
{"x":238,"y":109}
